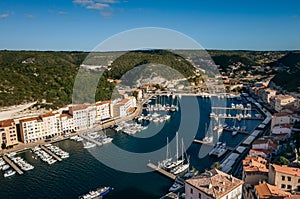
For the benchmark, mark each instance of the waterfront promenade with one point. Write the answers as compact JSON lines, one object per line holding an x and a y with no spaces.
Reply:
{"x":97,"y":127}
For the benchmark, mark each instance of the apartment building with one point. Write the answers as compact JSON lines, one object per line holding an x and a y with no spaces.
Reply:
{"x":284,"y":177}
{"x":103,"y":110}
{"x":279,"y":101}
{"x":255,"y":170}
{"x":66,"y":124}
{"x":8,"y":133}
{"x":32,"y":129}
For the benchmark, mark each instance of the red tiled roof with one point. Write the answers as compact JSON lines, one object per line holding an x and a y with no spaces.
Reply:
{"x":29,"y":119}
{"x":265,"y":191}
{"x":287,"y":170}
{"x":6,"y":123}
{"x":215,"y":183}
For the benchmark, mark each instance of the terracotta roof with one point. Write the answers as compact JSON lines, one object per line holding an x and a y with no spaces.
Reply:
{"x":262,"y":141}
{"x":29,"y":119}
{"x":49,"y":114}
{"x":6,"y":123}
{"x":255,"y":163}
{"x":286,"y":170}
{"x":65,"y":115}
{"x":124,"y":101}
{"x":215,"y":183}
{"x":266,"y":190}
{"x":103,"y":102}
{"x":282,"y":97}
{"x":78,"y":107}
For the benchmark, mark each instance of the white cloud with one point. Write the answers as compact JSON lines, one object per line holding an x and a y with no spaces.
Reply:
{"x":97,"y":6}
{"x":104,"y":6}
{"x":3,"y":16}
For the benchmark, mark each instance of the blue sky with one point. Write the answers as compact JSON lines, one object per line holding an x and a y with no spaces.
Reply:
{"x":215,"y":24}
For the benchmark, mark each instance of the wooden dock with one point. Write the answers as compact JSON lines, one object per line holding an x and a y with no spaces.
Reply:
{"x":91,"y":140}
{"x":164,"y":172}
{"x":202,"y":142}
{"x":230,"y":108}
{"x":235,"y":117}
{"x":12,"y":164}
{"x":50,"y":152}
{"x":239,"y":131}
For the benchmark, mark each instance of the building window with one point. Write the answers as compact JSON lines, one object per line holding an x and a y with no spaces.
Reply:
{"x":283,"y":186}
{"x":191,"y":191}
{"x":299,"y":180}
{"x":199,"y":196}
{"x":289,"y":187}
{"x":289,"y":178}
{"x":283,"y":178}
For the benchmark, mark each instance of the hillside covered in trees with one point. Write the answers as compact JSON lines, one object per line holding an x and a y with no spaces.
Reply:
{"x":48,"y":77}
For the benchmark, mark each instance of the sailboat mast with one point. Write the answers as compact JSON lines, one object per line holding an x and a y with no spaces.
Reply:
{"x":176,"y":145}
{"x":167,"y":149}
{"x":182,"y":157}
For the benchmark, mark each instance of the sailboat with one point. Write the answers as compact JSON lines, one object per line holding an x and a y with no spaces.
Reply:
{"x":168,"y":160}
{"x":235,"y":128}
{"x":183,"y":167}
{"x":209,"y":138}
{"x":177,"y":162}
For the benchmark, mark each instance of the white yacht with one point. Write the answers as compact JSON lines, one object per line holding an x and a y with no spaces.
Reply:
{"x":9,"y":173}
{"x":88,"y":145}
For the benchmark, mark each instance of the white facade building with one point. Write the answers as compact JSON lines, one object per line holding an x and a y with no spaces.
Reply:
{"x":32,"y":129}
{"x":103,"y":110}
{"x":66,"y":123}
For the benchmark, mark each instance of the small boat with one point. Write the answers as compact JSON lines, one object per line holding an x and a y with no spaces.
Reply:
{"x":207,"y":139}
{"x":96,"y":194}
{"x":9,"y":173}
{"x":88,"y":145}
{"x":234,"y":133}
{"x":4,"y":167}
{"x":175,"y":187}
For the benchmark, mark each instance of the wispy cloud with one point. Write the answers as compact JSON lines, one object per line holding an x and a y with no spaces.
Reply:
{"x":104,"y":6}
{"x":3,"y":16}
{"x":62,"y":12}
{"x":29,"y":16}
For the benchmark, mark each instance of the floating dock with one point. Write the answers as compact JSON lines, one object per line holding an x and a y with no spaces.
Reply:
{"x":235,"y":117}
{"x":159,"y":170}
{"x":231,"y":108}
{"x":239,"y":131}
{"x":91,"y":140}
{"x":17,"y":169}
{"x":201,"y":142}
{"x":50,"y":152}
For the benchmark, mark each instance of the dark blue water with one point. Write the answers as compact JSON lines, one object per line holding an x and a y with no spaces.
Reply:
{"x":82,"y":172}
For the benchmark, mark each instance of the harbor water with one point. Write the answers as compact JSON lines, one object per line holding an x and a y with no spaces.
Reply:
{"x":82,"y":171}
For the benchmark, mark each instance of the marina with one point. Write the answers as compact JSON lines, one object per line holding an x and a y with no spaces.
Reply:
{"x":17,"y":169}
{"x":161,"y":171}
{"x":81,"y":161}
{"x":51,"y":153}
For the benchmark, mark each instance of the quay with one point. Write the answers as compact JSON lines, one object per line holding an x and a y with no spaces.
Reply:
{"x":239,"y":131}
{"x":91,"y":140}
{"x":19,"y":171}
{"x":164,"y":172}
{"x":231,"y":108}
{"x":50,"y":152}
{"x":235,"y":117}
{"x":211,"y":144}
{"x":201,"y":142}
